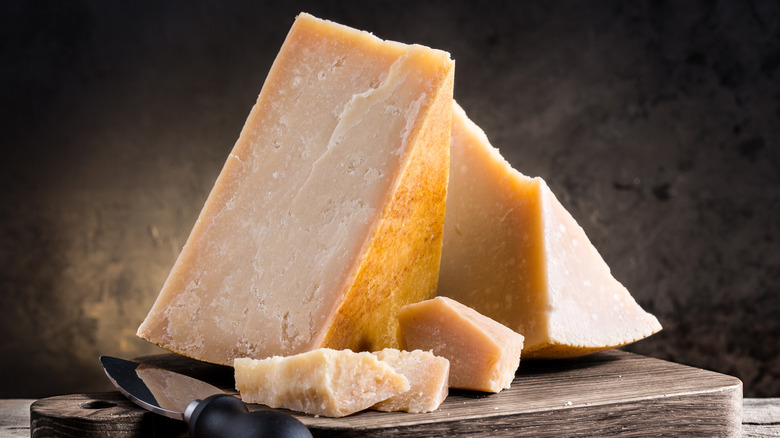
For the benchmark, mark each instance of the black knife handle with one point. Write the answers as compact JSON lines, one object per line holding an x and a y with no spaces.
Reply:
{"x":223,"y":415}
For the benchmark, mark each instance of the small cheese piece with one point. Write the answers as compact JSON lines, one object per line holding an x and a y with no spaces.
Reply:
{"x":513,"y":253}
{"x":328,"y":214}
{"x":333,"y":383}
{"x":484,"y":354}
{"x":428,"y":380}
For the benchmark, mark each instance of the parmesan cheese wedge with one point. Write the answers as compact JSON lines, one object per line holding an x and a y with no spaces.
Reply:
{"x":428,"y":380}
{"x":513,"y":253}
{"x":484,"y":354}
{"x":327,"y":216}
{"x":333,"y":383}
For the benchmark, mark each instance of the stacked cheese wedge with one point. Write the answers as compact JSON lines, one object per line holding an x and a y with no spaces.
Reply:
{"x":513,"y":252}
{"x":329,"y":217}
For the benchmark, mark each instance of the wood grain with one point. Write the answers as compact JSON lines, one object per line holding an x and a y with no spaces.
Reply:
{"x":15,"y":418}
{"x":98,"y":415}
{"x":611,"y":393}
{"x":761,"y":417}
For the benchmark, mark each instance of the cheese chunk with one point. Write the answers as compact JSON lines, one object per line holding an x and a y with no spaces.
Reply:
{"x":333,"y":383}
{"x":512,"y":252}
{"x":484,"y":355}
{"x":328,"y":214}
{"x":428,"y":380}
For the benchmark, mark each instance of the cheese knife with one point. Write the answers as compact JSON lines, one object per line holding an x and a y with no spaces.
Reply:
{"x":207,"y":410}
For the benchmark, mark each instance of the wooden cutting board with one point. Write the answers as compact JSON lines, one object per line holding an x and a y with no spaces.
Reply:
{"x":612,"y":393}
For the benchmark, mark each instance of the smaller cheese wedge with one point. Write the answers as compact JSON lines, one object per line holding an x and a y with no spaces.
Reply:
{"x":428,"y":380}
{"x":333,"y":383}
{"x":484,"y":354}
{"x":512,"y":252}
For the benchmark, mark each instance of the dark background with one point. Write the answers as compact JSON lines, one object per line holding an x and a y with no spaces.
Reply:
{"x":656,"y":123}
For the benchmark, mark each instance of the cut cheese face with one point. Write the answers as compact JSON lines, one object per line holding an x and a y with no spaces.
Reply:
{"x":333,"y":383}
{"x":428,"y":380}
{"x":513,"y":252}
{"x":328,"y":214}
{"x":484,"y":354}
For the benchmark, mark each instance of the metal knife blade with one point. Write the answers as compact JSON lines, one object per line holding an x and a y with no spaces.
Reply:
{"x":207,"y":410}
{"x":158,"y":390}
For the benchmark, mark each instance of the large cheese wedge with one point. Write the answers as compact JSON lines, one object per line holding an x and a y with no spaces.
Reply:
{"x":327,"y":216}
{"x":512,"y":252}
{"x":484,"y":354}
{"x":333,"y":383}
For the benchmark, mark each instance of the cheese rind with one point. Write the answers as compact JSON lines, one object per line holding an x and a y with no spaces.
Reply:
{"x":428,"y":380}
{"x":512,"y":252}
{"x":401,"y":262}
{"x":333,"y":383}
{"x":328,"y":214}
{"x":484,"y":354}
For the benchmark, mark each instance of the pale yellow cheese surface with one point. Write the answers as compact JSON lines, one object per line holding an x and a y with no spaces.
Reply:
{"x":327,"y":216}
{"x":428,"y":380}
{"x":512,"y":252}
{"x":333,"y":383}
{"x":484,"y":354}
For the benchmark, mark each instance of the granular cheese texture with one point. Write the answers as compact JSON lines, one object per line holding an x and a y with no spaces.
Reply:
{"x":428,"y":380}
{"x":332,"y":383}
{"x":513,"y":253}
{"x":328,"y":214}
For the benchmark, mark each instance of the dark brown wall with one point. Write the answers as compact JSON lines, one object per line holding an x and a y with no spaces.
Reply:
{"x":657,"y":124}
